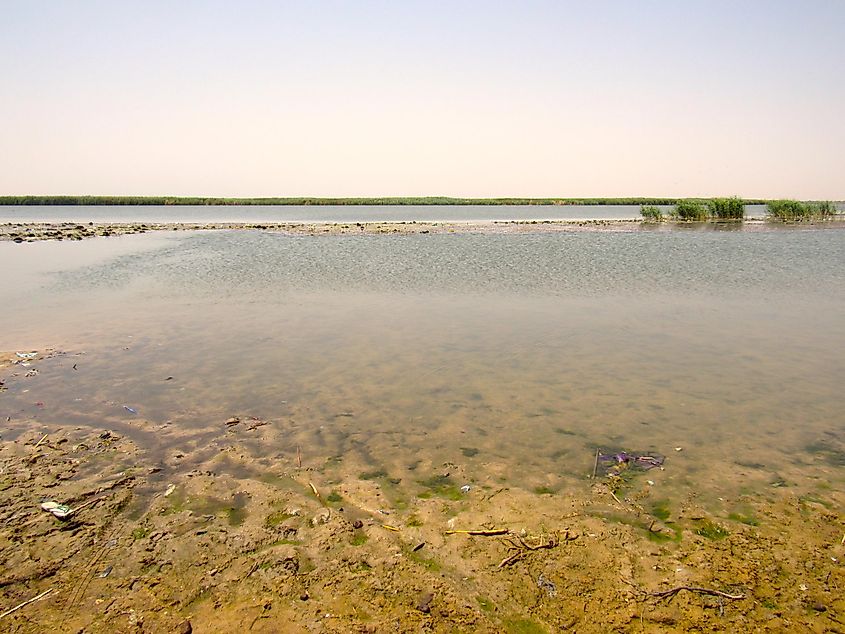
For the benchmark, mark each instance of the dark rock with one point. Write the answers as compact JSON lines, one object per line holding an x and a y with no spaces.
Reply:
{"x":184,"y":628}
{"x":423,"y":603}
{"x":357,"y":524}
{"x":819,"y":607}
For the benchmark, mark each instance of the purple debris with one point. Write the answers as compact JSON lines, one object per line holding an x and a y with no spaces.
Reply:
{"x":614,"y":463}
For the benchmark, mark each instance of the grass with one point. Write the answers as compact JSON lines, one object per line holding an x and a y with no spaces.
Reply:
{"x":544,"y":490}
{"x":690,"y":210}
{"x":469,"y":452}
{"x":441,"y":486}
{"x":797,"y":211}
{"x":141,"y":532}
{"x":651,"y":213}
{"x":276,"y":518}
{"x":373,"y":475}
{"x":744,"y":519}
{"x":710,"y":530}
{"x":524,"y":626}
{"x":727,"y":208}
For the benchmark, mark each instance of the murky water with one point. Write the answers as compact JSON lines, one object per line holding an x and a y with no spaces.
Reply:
{"x":514,"y":356}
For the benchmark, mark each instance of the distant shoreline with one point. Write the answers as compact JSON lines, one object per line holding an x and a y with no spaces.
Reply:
{"x":34,"y":200}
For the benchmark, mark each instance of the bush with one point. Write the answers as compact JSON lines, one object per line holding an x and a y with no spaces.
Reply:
{"x":690,"y":210}
{"x":651,"y":213}
{"x":824,"y":209}
{"x":791,"y":210}
{"x":727,"y":208}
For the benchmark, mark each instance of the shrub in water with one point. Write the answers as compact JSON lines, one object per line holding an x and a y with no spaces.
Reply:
{"x":727,"y":208}
{"x":690,"y":210}
{"x":650,"y":212}
{"x":788,"y":210}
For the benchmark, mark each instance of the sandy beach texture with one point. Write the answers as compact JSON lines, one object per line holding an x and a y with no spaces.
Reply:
{"x":163,"y":529}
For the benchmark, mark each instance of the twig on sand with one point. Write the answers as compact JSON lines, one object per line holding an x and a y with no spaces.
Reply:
{"x":668,"y":594}
{"x":299,"y":456}
{"x":316,"y":493}
{"x":25,"y":603}
{"x":481,"y":533}
{"x":613,"y":495}
{"x":43,"y":438}
{"x":596,"y":464}
{"x":522,"y":547}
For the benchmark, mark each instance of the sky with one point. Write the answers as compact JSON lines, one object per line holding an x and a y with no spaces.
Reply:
{"x":404,"y":98}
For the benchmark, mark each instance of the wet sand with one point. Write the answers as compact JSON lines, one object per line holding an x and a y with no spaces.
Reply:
{"x":34,"y":231}
{"x":247,"y":524}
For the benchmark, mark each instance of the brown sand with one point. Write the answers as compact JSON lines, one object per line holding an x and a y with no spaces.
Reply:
{"x":219,"y":532}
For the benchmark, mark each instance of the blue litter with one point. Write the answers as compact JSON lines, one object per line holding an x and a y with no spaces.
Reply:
{"x":130,"y":410}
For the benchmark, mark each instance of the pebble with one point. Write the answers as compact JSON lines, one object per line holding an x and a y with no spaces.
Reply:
{"x":423,"y":603}
{"x":357,"y":524}
{"x":184,"y":627}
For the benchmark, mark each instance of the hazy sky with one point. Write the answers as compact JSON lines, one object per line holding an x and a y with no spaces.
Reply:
{"x":586,"y":98}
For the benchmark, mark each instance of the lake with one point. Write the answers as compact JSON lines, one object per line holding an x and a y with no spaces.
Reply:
{"x":512,"y":355}
{"x":326,"y":213}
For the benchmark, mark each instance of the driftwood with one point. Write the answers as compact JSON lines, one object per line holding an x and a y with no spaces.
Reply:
{"x":482,"y":532}
{"x":668,"y":594}
{"x":521,"y":548}
{"x":25,"y":603}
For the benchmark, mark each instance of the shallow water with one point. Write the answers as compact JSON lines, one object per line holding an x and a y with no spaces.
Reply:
{"x":325,"y":213}
{"x":513,"y":356}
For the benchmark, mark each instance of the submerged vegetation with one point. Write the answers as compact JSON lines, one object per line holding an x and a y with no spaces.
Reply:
{"x":795,"y":210}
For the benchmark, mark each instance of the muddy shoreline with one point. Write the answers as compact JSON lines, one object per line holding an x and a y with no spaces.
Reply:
{"x":245,"y":526}
{"x":35,"y":231}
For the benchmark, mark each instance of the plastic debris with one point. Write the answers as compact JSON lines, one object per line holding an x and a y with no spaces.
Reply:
{"x":26,"y":355}
{"x":548,"y":586}
{"x":105,"y":572}
{"x":466,"y":488}
{"x":170,"y":489}
{"x":130,"y":409}
{"x":614,"y":463}
{"x":62,"y":511}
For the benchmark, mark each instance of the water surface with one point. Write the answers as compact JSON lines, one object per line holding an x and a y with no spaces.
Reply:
{"x":514,"y":356}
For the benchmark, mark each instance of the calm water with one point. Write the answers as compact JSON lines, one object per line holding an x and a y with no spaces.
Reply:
{"x":457,"y":213}
{"x":511,"y":355}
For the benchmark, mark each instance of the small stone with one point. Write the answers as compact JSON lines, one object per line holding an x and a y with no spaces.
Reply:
{"x":423,"y":603}
{"x":357,"y":524}
{"x":304,"y":596}
{"x":184,"y":628}
{"x":819,"y":607}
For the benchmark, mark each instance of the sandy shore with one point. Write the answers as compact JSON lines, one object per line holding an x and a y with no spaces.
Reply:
{"x":33,"y":231}
{"x":239,"y":527}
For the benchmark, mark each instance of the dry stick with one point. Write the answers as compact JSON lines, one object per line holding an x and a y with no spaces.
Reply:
{"x":316,"y":493}
{"x":25,"y":603}
{"x":596,"y":464}
{"x":299,"y":456}
{"x":482,"y":533}
{"x":716,"y":593}
{"x":43,"y":438}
